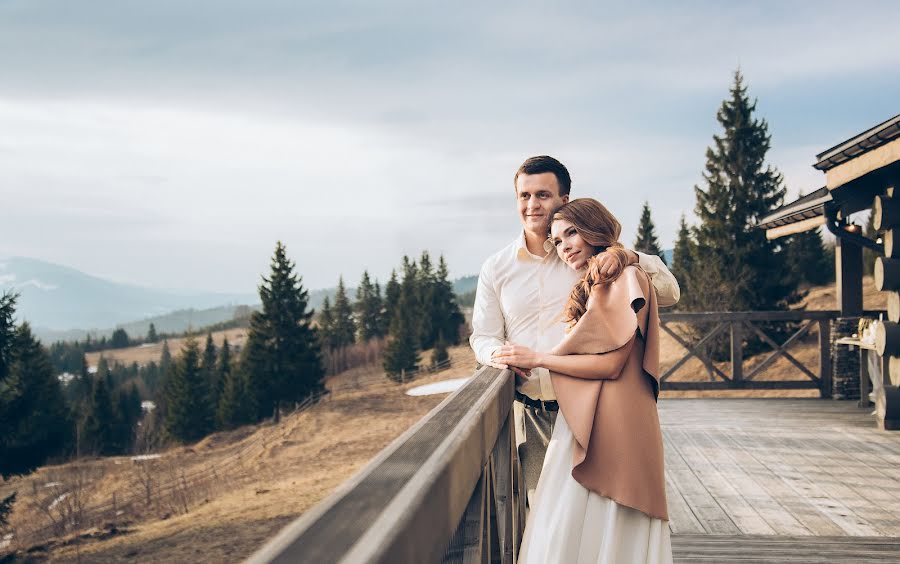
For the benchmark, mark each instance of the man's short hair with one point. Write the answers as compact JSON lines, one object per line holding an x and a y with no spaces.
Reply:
{"x":543,"y":163}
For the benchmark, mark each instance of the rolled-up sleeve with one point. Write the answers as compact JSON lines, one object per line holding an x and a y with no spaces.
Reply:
{"x":488,"y":327}
{"x":667,"y":290}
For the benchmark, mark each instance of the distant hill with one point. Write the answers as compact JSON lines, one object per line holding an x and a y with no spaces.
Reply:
{"x":53,"y":297}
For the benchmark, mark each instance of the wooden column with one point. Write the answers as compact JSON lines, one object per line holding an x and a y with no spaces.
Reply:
{"x":849,"y":269}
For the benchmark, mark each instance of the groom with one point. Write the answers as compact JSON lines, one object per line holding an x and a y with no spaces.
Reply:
{"x":522,"y":290}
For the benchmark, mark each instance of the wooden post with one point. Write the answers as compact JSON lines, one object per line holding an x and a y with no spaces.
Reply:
{"x":737,"y":353}
{"x":825,"y":358}
{"x":849,"y":268}
{"x":886,"y":212}
{"x":893,"y":306}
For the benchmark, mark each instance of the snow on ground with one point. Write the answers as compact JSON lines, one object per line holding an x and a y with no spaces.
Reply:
{"x":443,"y":387}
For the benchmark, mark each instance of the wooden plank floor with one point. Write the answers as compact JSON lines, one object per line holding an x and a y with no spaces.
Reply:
{"x":771,"y":480}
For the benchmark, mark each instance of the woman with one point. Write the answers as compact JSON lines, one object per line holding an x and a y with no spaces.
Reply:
{"x":601,"y":495}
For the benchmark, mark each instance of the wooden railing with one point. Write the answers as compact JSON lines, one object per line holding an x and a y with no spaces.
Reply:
{"x":446,"y":490}
{"x":449,"y":489}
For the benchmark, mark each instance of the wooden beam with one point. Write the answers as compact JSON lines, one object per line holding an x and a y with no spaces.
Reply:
{"x":863,"y":164}
{"x":794,"y":228}
{"x":849,"y":269}
{"x":887,"y":274}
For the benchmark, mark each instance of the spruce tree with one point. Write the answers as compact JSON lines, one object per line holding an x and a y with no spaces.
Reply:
{"x":344,"y":328}
{"x":98,"y":432}
{"x":223,"y":367}
{"x":741,"y":269}
{"x":368,"y":308}
{"x":439,"y":355}
{"x":34,"y":417}
{"x":425,"y":302}
{"x":402,"y":352}
{"x":869,"y":255}
{"x":325,"y":323}
{"x":445,"y":307}
{"x":391,"y":300}
{"x":152,"y":337}
{"x":119,"y":339}
{"x":190,"y":412}
{"x":809,"y":259}
{"x":646,"y":240}
{"x":283,"y":359}
{"x":209,"y":369}
{"x":683,"y":259}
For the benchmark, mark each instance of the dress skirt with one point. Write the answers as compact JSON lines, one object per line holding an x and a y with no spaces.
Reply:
{"x":569,"y":524}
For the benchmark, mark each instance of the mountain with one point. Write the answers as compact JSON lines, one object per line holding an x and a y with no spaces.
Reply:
{"x":60,"y":298}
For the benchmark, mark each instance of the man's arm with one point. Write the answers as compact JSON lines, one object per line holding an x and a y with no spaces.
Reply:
{"x":488,"y":325}
{"x":667,"y":290}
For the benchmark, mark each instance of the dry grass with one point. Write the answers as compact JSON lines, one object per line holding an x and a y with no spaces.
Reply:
{"x":143,"y":354}
{"x":300,"y":461}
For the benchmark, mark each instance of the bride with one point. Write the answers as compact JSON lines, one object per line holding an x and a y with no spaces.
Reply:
{"x":601,"y":496}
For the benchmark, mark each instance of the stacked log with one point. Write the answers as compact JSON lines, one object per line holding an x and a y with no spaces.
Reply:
{"x":886,"y":218}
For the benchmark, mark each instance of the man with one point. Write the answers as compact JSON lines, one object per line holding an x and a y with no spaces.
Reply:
{"x":521,"y":292}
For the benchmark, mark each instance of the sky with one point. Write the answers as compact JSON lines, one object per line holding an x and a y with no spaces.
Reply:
{"x":171,"y":144}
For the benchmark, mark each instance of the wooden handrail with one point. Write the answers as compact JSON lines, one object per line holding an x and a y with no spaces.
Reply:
{"x":406,"y":504}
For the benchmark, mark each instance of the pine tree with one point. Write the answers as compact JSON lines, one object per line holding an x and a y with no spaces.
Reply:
{"x":325,"y":324}
{"x":741,"y":269}
{"x":283,"y":360}
{"x":34,"y":417}
{"x":439,"y":355}
{"x":646,"y":240}
{"x":119,"y":339}
{"x":209,"y":369}
{"x":368,"y":308}
{"x":445,"y":307}
{"x":683,"y":258}
{"x":344,"y":328}
{"x":402,"y":352}
{"x":391,"y":300}
{"x":425,"y":302}
{"x":223,"y":367}
{"x":152,"y":337}
{"x":98,"y":428}
{"x":190,"y":414}
{"x":807,"y":256}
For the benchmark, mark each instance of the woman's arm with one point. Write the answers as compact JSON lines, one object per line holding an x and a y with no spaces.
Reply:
{"x":606,"y":366}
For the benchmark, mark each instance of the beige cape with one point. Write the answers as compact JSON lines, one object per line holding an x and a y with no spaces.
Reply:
{"x":613,"y":415}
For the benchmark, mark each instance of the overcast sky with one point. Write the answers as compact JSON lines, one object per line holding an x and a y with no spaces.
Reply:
{"x":171,"y":144}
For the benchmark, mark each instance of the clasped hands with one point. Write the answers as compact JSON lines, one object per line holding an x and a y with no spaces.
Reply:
{"x":518,"y":358}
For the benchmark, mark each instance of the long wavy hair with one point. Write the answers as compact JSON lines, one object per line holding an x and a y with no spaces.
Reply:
{"x":600,"y":229}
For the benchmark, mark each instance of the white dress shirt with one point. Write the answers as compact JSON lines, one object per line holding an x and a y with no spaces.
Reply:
{"x":520,"y":299}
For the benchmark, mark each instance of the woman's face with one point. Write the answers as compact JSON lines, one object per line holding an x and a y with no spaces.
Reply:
{"x":570,"y":247}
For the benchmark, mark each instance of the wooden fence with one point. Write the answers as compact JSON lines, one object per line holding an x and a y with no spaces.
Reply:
{"x":737,"y":327}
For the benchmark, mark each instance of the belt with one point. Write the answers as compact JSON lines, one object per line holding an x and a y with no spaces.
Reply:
{"x":537,"y":404}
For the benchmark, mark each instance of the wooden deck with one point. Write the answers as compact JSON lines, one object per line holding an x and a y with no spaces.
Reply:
{"x":780,"y":480}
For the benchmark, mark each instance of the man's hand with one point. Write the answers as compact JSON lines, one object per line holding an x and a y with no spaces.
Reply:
{"x":517,"y":356}
{"x":503,"y":366}
{"x":609,"y":266}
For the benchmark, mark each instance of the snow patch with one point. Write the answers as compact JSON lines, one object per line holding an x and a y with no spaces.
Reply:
{"x":52,"y":484}
{"x":444,"y":387}
{"x":142,"y":457}
{"x":7,"y":278}
{"x":39,"y":285}
{"x":57,"y":500}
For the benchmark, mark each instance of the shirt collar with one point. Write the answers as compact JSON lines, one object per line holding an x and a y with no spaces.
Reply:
{"x":522,"y":251}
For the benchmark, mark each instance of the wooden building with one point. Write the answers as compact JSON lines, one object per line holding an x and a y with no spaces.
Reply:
{"x":860,"y":173}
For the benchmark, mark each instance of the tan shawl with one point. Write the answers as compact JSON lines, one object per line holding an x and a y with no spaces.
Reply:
{"x":618,"y":451}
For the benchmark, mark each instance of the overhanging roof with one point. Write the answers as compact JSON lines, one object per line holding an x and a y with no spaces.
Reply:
{"x":862,"y":143}
{"x":806,"y":207}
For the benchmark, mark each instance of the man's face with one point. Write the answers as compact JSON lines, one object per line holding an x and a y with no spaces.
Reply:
{"x":537,"y":196}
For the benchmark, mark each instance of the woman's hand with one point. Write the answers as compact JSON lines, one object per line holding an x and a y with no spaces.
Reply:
{"x":519,"y":356}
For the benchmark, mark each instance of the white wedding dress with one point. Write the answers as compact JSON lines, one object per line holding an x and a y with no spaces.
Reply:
{"x":569,"y":524}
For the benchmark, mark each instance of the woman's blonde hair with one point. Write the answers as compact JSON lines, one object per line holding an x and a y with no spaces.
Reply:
{"x":600,"y":229}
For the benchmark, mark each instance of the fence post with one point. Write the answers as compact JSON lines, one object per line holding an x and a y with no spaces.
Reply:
{"x":737,"y":353}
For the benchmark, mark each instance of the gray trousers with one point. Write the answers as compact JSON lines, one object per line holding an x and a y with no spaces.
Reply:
{"x":533,"y":430}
